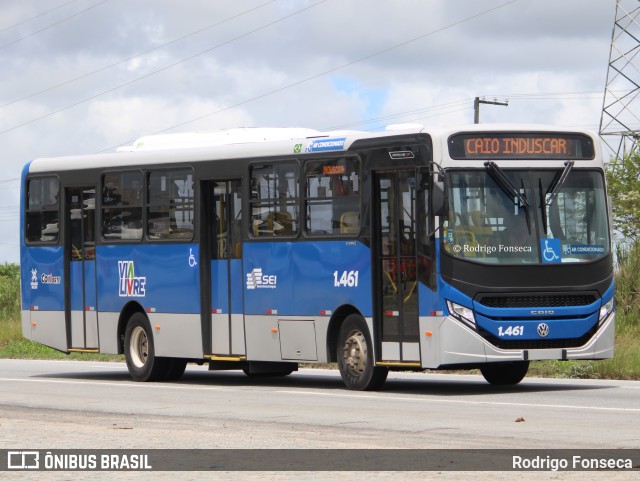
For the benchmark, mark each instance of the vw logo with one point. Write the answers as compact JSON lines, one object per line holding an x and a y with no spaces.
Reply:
{"x":543,"y":330}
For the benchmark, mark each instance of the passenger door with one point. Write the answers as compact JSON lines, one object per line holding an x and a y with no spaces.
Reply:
{"x":395,"y":261}
{"x":81,"y":254}
{"x":225,"y":247}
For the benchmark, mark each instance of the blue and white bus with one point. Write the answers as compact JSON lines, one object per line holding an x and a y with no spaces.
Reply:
{"x":480,"y":247}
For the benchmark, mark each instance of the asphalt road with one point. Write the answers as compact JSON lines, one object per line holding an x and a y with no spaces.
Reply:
{"x":65,"y":404}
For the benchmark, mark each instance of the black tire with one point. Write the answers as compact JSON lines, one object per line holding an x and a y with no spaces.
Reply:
{"x":505,"y":373}
{"x":175,"y":369}
{"x":355,"y":356}
{"x":139,"y":351}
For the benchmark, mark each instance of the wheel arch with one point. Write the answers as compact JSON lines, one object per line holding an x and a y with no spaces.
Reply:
{"x":333,"y":330}
{"x":128,"y":310}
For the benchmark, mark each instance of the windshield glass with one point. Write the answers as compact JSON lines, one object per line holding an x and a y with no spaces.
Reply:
{"x":488,"y":223}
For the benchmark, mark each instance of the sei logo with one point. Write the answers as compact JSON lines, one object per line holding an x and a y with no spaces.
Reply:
{"x":346,"y":279}
{"x":257,"y":280}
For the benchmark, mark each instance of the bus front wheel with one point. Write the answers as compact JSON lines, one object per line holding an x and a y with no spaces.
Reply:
{"x":139,"y":351}
{"x":505,"y":373}
{"x":355,"y":356}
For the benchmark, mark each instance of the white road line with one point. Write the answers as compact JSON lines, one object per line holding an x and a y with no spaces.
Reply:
{"x":346,"y":395}
{"x":124,"y":384}
{"x":69,"y":363}
{"x":475,"y":403}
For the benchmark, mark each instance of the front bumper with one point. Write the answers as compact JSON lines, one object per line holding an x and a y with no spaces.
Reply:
{"x":451,"y":343}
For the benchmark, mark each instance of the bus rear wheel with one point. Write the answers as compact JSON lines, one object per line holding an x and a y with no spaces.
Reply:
{"x":139,"y":351}
{"x":355,"y":356}
{"x":505,"y":373}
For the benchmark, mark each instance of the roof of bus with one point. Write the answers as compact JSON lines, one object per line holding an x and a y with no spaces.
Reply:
{"x":224,"y":144}
{"x":253,"y":142}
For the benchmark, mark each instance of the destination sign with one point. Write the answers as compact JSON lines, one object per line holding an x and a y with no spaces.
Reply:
{"x":333,"y":169}
{"x":530,"y":146}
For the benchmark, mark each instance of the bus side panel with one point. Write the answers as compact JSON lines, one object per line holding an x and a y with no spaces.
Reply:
{"x":108,"y":332}
{"x":430,"y":301}
{"x":431,"y":315}
{"x":43,"y":295}
{"x":268,"y":294}
{"x":269,"y":280}
{"x":164,"y":281}
{"x":306,"y":278}
{"x":331,"y":274}
{"x":300,"y":282}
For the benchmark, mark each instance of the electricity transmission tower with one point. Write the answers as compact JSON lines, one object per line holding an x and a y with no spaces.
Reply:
{"x":620,"y":120}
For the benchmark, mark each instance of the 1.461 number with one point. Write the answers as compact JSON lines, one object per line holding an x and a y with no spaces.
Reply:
{"x":346,"y":279}
{"x":511,"y":331}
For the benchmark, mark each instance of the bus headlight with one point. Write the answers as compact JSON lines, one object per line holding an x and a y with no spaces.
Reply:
{"x":461,"y":313}
{"x":605,"y":311}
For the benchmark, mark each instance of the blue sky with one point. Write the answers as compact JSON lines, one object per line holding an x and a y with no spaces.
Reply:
{"x":84,"y":76}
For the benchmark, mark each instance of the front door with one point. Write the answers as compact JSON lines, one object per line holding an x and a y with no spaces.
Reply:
{"x":227,"y":319}
{"x":395,"y":252}
{"x":81,"y":248}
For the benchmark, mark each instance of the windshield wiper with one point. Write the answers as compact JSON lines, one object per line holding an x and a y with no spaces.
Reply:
{"x":558,"y":183}
{"x":508,"y":188}
{"x":550,"y":197}
{"x":505,"y":184}
{"x":543,"y":206}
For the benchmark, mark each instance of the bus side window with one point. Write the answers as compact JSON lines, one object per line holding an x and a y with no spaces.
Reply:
{"x":171,"y":201}
{"x":42,"y":210}
{"x":332,"y":197}
{"x":274,"y":200}
{"x":122,"y":205}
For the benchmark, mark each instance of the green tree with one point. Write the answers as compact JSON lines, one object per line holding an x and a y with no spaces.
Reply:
{"x":623,"y":179}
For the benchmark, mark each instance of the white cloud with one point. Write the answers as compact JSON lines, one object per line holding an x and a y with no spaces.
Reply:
{"x":119,"y":120}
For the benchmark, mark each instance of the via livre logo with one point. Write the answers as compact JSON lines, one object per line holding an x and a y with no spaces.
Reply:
{"x":130,"y":285}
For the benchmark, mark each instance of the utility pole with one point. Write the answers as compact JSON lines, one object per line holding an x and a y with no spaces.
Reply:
{"x":619,"y":123}
{"x":476,"y":107}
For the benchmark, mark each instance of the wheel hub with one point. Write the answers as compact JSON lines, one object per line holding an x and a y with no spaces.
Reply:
{"x":355,"y":353}
{"x":139,"y":347}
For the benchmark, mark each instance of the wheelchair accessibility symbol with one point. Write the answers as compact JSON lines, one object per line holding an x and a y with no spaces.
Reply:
{"x":192,"y":259}
{"x":551,"y":250}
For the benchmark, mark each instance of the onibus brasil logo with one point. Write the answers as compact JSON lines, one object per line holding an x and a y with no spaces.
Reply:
{"x":130,"y":285}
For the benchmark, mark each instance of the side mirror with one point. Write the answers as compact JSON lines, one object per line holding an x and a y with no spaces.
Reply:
{"x":437,"y":198}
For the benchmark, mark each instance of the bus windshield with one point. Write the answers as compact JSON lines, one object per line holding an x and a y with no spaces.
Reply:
{"x":498,"y":216}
